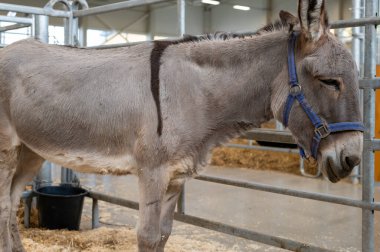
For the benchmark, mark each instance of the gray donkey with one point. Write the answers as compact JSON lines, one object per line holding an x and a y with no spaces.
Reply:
{"x":156,"y":109}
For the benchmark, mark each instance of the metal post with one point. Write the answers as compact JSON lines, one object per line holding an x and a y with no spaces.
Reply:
{"x":368,"y":230}
{"x":181,"y":4}
{"x":181,"y":17}
{"x":82,"y":33}
{"x":181,"y":201}
{"x":356,"y":31}
{"x":27,"y":201}
{"x":75,"y":28}
{"x":78,"y":35}
{"x":95,"y":214}
{"x":41,"y":28}
{"x":68,"y":24}
{"x":68,"y":177}
{"x":357,"y":12}
{"x":44,"y":176}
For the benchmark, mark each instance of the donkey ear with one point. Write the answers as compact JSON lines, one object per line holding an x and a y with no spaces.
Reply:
{"x":288,"y":18}
{"x":313,"y":18}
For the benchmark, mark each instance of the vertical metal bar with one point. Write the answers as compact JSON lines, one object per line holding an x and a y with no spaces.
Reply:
{"x":82,"y":33}
{"x":67,"y":23}
{"x":181,"y":4}
{"x":41,"y":28}
{"x":68,"y":176}
{"x":181,"y":17}
{"x":181,"y":201}
{"x":368,"y":230}
{"x":356,"y":32}
{"x":44,"y":177}
{"x":78,"y":29}
{"x":75,"y":27}
{"x":356,"y":50}
{"x":68,"y":27}
{"x":95,"y":214}
{"x":27,"y":209}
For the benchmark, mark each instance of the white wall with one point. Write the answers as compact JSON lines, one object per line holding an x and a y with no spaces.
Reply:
{"x":118,"y":20}
{"x":163,"y":20}
{"x":225,"y":18}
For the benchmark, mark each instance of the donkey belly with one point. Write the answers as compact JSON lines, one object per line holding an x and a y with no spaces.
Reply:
{"x":99,"y":163}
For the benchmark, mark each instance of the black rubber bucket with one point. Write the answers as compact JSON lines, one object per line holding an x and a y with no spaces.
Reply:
{"x":60,"y":207}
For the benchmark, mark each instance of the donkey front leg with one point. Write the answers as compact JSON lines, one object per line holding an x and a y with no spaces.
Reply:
{"x":8,"y":162}
{"x":168,"y":207}
{"x":152,"y":187}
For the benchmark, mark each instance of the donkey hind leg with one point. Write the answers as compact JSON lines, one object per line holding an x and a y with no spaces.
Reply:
{"x":8,"y":163}
{"x":28,"y":166}
{"x":152,"y":187}
{"x":167,"y":213}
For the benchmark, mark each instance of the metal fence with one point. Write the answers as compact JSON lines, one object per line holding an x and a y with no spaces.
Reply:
{"x":39,"y":21}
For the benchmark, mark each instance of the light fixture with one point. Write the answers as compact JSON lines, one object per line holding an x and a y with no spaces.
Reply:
{"x":212,"y":2}
{"x":241,"y":7}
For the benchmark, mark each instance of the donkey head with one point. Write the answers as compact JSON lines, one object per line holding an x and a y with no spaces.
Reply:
{"x":329,"y":79}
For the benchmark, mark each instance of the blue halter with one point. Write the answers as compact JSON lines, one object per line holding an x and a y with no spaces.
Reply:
{"x":322,"y":129}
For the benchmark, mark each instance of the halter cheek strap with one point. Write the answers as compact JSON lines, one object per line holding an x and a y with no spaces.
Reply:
{"x":321,"y":129}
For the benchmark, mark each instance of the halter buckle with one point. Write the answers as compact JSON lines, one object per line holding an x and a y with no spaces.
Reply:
{"x":322,"y":131}
{"x":295,"y":89}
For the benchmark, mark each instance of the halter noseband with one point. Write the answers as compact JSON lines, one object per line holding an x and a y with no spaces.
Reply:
{"x":322,"y":129}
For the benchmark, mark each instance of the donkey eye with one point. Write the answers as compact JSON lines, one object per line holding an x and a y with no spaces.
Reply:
{"x":331,"y":83}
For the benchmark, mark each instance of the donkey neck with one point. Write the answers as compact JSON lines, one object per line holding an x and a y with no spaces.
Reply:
{"x":236,"y":75}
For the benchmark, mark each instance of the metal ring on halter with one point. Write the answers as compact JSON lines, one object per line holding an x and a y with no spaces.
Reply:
{"x":295,"y":90}
{"x":322,"y":131}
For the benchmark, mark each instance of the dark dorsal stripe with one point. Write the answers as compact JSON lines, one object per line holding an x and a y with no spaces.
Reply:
{"x":155,"y":62}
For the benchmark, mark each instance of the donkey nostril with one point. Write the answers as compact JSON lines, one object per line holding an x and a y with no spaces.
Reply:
{"x":352,"y":161}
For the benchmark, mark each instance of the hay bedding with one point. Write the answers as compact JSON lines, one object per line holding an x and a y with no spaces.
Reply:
{"x":260,"y":160}
{"x":106,"y":239}
{"x":116,"y":238}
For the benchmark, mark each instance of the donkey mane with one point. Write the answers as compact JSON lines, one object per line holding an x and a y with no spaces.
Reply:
{"x":277,"y":25}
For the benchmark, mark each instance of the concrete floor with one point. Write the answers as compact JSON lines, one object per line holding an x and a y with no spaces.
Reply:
{"x":322,"y":224}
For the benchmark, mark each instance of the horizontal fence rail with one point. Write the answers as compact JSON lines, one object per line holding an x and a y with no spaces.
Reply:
{"x":369,"y":83}
{"x":34,"y":10}
{"x":355,"y":22}
{"x":270,"y":135}
{"x":263,"y":148}
{"x":216,"y":226}
{"x":13,"y":27}
{"x":114,"y":7}
{"x":19,"y":20}
{"x":291,"y":192}
{"x":375,"y":144}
